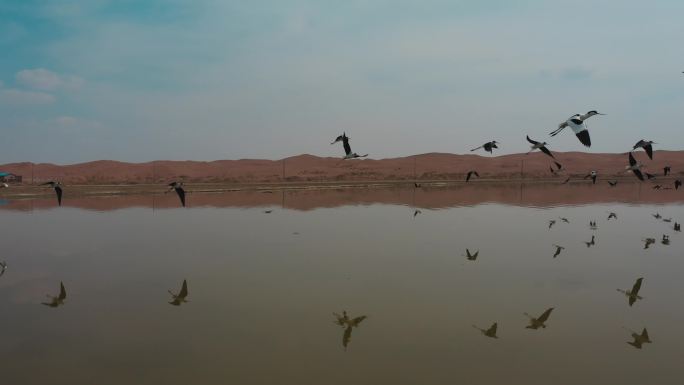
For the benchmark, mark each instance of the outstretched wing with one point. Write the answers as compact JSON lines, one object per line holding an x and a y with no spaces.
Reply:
{"x":181,"y":195}
{"x":492,"y":329}
{"x":347,"y":147}
{"x":58,"y":190}
{"x":584,"y":138}
{"x":532,"y":141}
{"x":184,"y":290}
{"x":356,"y":321}
{"x":632,"y":161}
{"x":638,"y":174}
{"x":545,"y":315}
{"x":62,"y":292}
{"x":546,"y":151}
{"x":636,"y":287}
{"x":649,"y":151}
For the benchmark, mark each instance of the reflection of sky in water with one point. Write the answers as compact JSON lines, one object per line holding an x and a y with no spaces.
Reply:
{"x":261,"y":297}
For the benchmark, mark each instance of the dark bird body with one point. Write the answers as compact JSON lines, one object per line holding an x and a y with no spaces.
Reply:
{"x":59,"y":299}
{"x":536,"y":323}
{"x":491,"y":332}
{"x":348,"y":324}
{"x":633,"y":294}
{"x":58,"y":190}
{"x":179,"y":298}
{"x":178,"y":187}
{"x":489,"y":146}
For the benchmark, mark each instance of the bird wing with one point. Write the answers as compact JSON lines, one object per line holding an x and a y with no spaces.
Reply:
{"x":546,"y":151}
{"x":181,"y":194}
{"x":356,"y":321}
{"x":62,"y":291}
{"x":339,"y":138}
{"x":476,"y":254}
{"x":347,"y":147}
{"x":649,"y":151}
{"x":545,"y":315}
{"x":476,"y":174}
{"x":636,"y":287}
{"x":644,"y":334}
{"x":184,"y":290}
{"x":638,"y":174}
{"x":492,"y":329}
{"x":468,"y":175}
{"x":531,"y":141}
{"x":58,"y":190}
{"x":632,"y":161}
{"x":584,"y":138}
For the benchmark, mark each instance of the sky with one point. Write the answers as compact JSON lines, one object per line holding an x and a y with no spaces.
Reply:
{"x":129,"y":80}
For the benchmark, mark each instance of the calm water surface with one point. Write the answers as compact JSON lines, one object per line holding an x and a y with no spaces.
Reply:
{"x":263,"y":289}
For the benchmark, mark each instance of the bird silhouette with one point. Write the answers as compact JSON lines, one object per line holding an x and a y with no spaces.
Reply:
{"x":348,"y":324}
{"x":564,"y":219}
{"x":470,"y":174}
{"x":666,"y":170}
{"x":633,"y":294}
{"x":647,"y":145}
{"x":635,"y":167}
{"x":178,"y":187}
{"x":3,"y":267}
{"x":551,"y":223}
{"x":540,"y":146}
{"x":491,"y":332}
{"x":59,"y":299}
{"x":348,"y":154}
{"x":666,"y":240}
{"x":576,"y":123}
{"x":592,"y":242}
{"x":472,"y":257}
{"x":558,"y":250}
{"x":57,"y":186}
{"x":657,"y":215}
{"x":416,"y":212}
{"x":612,"y":215}
{"x":677,"y":184}
{"x":592,"y":175}
{"x":648,"y":242}
{"x":536,"y":323}
{"x":639,"y":339}
{"x":489,"y":146}
{"x":179,"y":298}
{"x":677,"y":227}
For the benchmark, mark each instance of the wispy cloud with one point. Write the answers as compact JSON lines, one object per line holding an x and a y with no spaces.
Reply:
{"x":43,"y":79}
{"x":16,"y":97}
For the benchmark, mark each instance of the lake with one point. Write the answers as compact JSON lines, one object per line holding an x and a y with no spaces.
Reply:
{"x":266,"y":270}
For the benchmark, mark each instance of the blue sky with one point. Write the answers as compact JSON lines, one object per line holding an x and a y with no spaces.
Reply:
{"x":206,"y":79}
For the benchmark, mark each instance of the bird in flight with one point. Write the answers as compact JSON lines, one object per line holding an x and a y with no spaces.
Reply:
{"x":536,"y":323}
{"x":179,"y":298}
{"x":178,"y":187}
{"x":347,"y":324}
{"x":593,"y":174}
{"x":539,"y":146}
{"x":647,"y":145}
{"x":564,"y":219}
{"x":640,"y":339}
{"x":58,"y":189}
{"x":612,"y":216}
{"x":592,"y":242}
{"x":558,"y":250}
{"x":415,"y":213}
{"x":472,"y":257}
{"x":576,"y":123}
{"x":648,"y":242}
{"x":551,"y":223}
{"x":666,"y":170}
{"x":666,"y":240}
{"x":347,"y":148}
{"x":59,"y":299}
{"x":470,"y":174}
{"x":613,"y":183}
{"x":633,"y":294}
{"x":491,"y":332}
{"x":634,"y":167}
{"x":489,"y":146}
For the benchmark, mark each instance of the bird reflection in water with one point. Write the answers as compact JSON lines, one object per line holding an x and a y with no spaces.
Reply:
{"x":491,"y":332}
{"x":648,"y":242}
{"x":348,"y":324}
{"x":639,"y":339}
{"x":179,"y":298}
{"x":3,"y":267}
{"x":666,"y":240}
{"x":472,"y":257}
{"x":59,"y":299}
{"x":633,"y":294}
{"x":536,"y":323}
{"x":592,"y":242}
{"x":558,"y":250}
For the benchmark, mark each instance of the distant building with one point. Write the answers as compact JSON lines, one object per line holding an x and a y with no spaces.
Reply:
{"x":8,"y":177}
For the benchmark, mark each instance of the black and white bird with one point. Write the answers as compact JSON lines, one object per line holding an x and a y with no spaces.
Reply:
{"x":640,"y":339}
{"x":612,"y":215}
{"x":634,"y":167}
{"x":647,"y":145}
{"x":536,"y":323}
{"x":666,"y":170}
{"x":593,"y":174}
{"x":491,"y":332}
{"x":576,"y":123}
{"x":633,"y":294}
{"x":592,"y":242}
{"x":416,"y":212}
{"x":470,"y":174}
{"x":489,"y":146}
{"x":179,"y":298}
{"x":559,"y":249}
{"x":665,"y":240}
{"x":3,"y":266}
{"x":566,"y":220}
{"x":539,"y":146}
{"x":58,"y":189}
{"x":178,"y":187}
{"x":677,"y":227}
{"x":472,"y":257}
{"x":347,"y":324}
{"x":59,"y":299}
{"x":347,"y":148}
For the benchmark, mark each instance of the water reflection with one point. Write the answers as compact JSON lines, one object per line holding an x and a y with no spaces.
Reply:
{"x":179,"y":298}
{"x":348,"y":324}
{"x":640,"y":338}
{"x":491,"y":332}
{"x":536,"y":323}
{"x":58,"y":300}
{"x":559,"y":249}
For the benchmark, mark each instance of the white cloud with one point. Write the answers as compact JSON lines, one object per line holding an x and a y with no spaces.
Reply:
{"x":15,"y":97}
{"x":43,"y":79}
